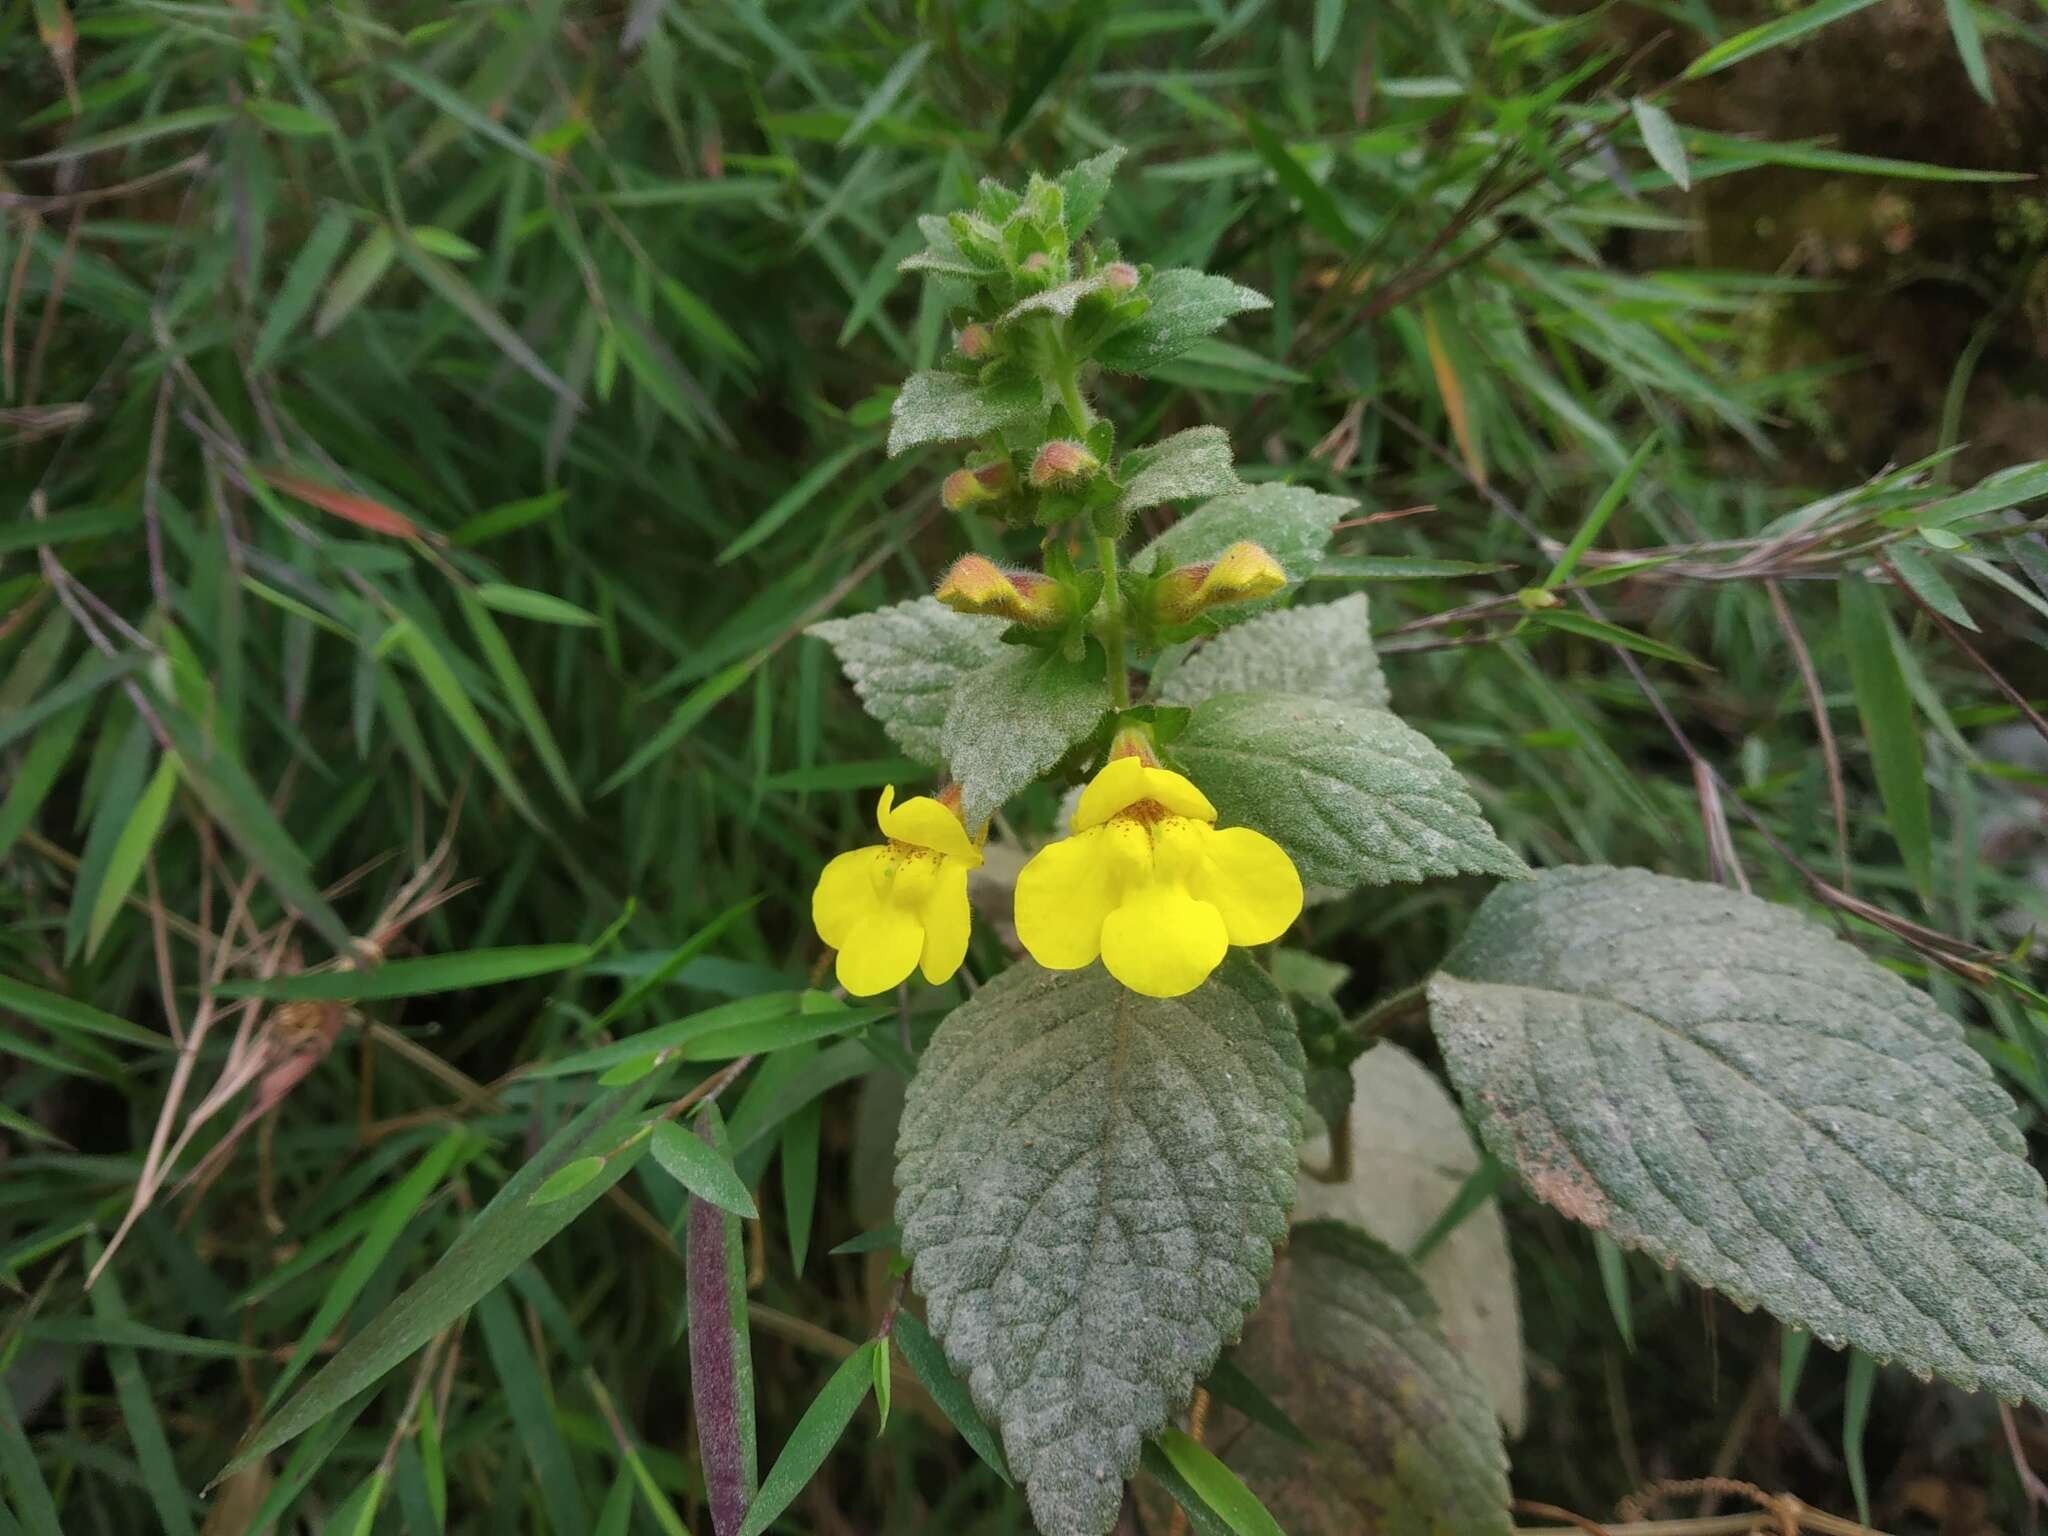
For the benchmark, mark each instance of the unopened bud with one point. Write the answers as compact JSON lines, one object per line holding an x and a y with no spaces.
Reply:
{"x":1120,"y":276}
{"x":1535,"y":598}
{"x":1242,"y":572}
{"x":1038,"y":263}
{"x":975,"y":342}
{"x":976,"y":487}
{"x":979,"y":586}
{"x":1062,"y":463}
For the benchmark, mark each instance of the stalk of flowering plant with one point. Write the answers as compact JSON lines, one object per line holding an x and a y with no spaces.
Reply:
{"x":1098,"y":1151}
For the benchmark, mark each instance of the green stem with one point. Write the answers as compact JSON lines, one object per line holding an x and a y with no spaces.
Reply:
{"x":1112,"y":631}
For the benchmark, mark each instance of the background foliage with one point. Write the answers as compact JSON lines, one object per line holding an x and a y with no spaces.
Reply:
{"x":427,"y":433}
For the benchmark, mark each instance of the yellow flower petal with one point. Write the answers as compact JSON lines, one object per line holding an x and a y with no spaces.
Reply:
{"x":1120,"y":785}
{"x":1124,"y":781}
{"x":881,"y":951}
{"x":1063,"y":895}
{"x":946,"y":923}
{"x":1250,"y":881}
{"x":1161,"y":941}
{"x":847,"y":891}
{"x":924,"y":823}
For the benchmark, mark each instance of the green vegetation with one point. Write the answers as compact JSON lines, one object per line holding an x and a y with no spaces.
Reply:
{"x":426,"y":437}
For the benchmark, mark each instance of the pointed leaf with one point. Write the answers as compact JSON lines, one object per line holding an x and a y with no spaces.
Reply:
{"x":1014,"y":719}
{"x":1356,"y":796}
{"x":1324,"y":651}
{"x":1092,"y":1182}
{"x":908,"y":663}
{"x":1805,"y":1131}
{"x":1185,"y":306}
{"x":1347,"y":1338}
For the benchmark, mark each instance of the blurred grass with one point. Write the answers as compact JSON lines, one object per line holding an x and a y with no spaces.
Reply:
{"x":429,"y":423}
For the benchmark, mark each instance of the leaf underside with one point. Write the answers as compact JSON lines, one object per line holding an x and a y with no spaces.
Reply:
{"x":1721,"y":1083}
{"x":1092,"y":1183}
{"x":1291,"y":523}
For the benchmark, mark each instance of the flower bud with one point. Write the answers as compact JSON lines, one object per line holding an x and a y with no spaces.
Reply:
{"x":1133,"y":741}
{"x":975,"y":342}
{"x":1062,"y":464}
{"x":1120,"y":277}
{"x":979,"y":586}
{"x":1242,"y":572}
{"x":966,"y":488}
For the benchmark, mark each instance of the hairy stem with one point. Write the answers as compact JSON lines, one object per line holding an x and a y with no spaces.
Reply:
{"x":1112,"y":630}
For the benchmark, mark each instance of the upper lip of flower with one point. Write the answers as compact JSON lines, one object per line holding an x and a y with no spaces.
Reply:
{"x":924,"y":823}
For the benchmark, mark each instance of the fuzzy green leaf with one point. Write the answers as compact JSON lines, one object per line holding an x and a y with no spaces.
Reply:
{"x":908,"y":662}
{"x":1406,"y":1439}
{"x":1324,"y":651}
{"x":1719,"y":1082}
{"x":1186,"y":305}
{"x":1291,"y":523}
{"x":1092,"y":1182}
{"x":1083,"y":188}
{"x":944,"y":407}
{"x":1356,"y":796}
{"x":1015,"y":718}
{"x":1192,"y":463}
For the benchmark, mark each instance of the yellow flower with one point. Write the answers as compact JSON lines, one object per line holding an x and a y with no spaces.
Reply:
{"x":1150,"y":884}
{"x":900,"y":905}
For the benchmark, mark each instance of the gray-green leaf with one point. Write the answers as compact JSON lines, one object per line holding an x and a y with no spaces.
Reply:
{"x":1092,"y":1182}
{"x":1356,"y":796}
{"x":1191,"y":463}
{"x":1186,"y":306}
{"x":1291,"y":523}
{"x":907,"y":662}
{"x":942,"y":407}
{"x":1014,"y":719}
{"x":1084,"y":186}
{"x":1721,"y":1083}
{"x":1406,"y":1440}
{"x":1324,"y":650}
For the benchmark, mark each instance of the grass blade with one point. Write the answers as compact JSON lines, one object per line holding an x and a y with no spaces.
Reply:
{"x":131,"y":850}
{"x":928,"y":1361}
{"x":1219,"y":1487}
{"x":813,"y":1438}
{"x":1889,"y":727}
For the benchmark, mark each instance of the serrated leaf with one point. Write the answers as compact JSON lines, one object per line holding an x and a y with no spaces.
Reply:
{"x":1083,"y":188}
{"x":1412,"y":1161}
{"x":1196,"y":462}
{"x":944,"y":407}
{"x":1356,"y":796}
{"x":1092,"y":1182}
{"x":1291,"y":523}
{"x":1406,"y":1439}
{"x":1661,"y":139}
{"x":1186,"y":305}
{"x":1719,"y":1082}
{"x":1014,"y":719}
{"x":1324,"y":651}
{"x":908,"y":662}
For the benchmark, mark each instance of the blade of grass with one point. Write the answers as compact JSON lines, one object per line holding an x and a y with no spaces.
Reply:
{"x":813,"y":1438}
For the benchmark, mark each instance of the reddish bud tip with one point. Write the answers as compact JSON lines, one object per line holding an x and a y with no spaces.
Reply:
{"x":1061,"y":463}
{"x":975,"y":342}
{"x":1120,"y":276}
{"x":979,"y":586}
{"x":1242,"y":572}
